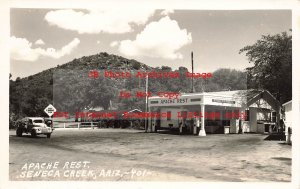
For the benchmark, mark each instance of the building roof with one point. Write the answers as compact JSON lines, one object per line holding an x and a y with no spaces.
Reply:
{"x":241,"y":98}
{"x":119,"y":113}
{"x":227,"y":93}
{"x":250,"y":93}
{"x":284,"y":104}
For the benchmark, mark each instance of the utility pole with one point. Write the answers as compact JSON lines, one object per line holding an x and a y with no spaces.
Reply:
{"x":192,"y":72}
{"x":146,"y":119}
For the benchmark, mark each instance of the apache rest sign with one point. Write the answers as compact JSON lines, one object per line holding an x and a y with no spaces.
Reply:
{"x":50,"y":110}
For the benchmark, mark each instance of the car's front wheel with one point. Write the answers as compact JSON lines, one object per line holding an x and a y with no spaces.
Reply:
{"x":49,"y":135}
{"x":33,"y":133}
{"x":19,"y":132}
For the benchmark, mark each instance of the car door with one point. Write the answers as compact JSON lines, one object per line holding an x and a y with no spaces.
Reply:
{"x":29,"y":125}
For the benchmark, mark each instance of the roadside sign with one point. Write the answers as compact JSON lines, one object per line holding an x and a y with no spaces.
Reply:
{"x":50,"y":110}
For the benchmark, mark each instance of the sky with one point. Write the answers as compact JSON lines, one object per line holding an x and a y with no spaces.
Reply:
{"x":44,"y":38}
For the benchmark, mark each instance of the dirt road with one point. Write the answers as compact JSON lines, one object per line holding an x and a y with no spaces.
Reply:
{"x":132,"y":155}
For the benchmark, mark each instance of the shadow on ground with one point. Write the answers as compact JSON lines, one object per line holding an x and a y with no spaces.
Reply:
{"x":276,"y":136}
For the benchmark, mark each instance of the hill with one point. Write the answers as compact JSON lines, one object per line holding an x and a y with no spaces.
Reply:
{"x":70,"y":88}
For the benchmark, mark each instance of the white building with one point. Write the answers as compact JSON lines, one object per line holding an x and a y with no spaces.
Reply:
{"x":287,"y":118}
{"x":218,"y":112}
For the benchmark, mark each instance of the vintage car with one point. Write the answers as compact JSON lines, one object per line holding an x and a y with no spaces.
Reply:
{"x":33,"y":125}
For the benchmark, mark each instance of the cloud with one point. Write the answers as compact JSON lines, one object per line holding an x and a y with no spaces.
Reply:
{"x":161,"y":39}
{"x":39,"y":42}
{"x":114,"y":44}
{"x":166,"y":12}
{"x":21,"y":49}
{"x":96,"y":21}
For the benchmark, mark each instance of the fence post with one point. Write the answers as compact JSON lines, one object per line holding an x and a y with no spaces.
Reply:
{"x":78,"y":126}
{"x":64,"y":125}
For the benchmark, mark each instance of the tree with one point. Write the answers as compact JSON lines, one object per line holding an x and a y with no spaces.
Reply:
{"x":272,"y":70}
{"x":100,"y":92}
{"x":229,"y":79}
{"x":223,"y":79}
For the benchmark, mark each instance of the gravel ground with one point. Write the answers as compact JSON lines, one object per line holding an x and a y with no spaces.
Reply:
{"x":132,"y":155}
